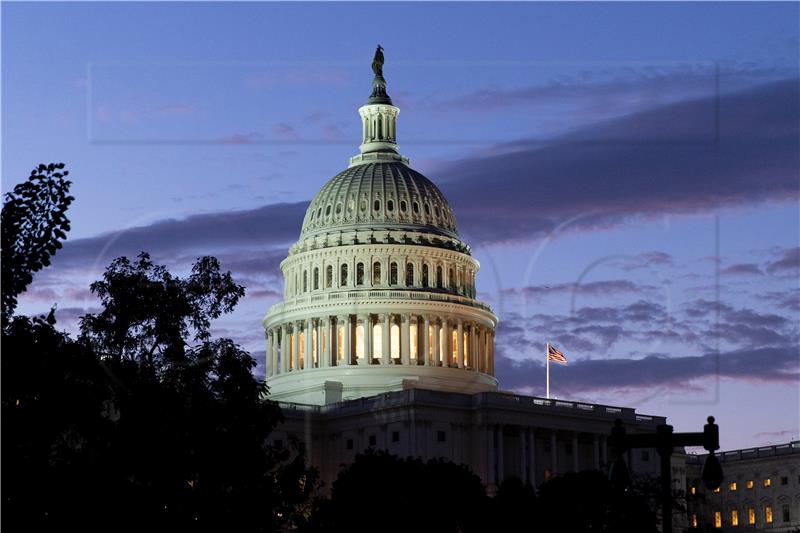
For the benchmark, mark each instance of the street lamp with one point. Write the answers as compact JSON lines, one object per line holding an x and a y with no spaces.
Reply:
{"x":664,"y":441}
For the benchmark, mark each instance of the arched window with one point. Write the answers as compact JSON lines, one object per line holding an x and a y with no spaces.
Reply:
{"x":343,"y":277}
{"x":305,"y":280}
{"x":409,"y":275}
{"x":319,"y":212}
{"x":415,"y":207}
{"x":316,"y":278}
{"x":338,"y":208}
{"x":424,"y":275}
{"x":403,"y":206}
{"x":436,"y":211}
{"x":451,"y":281}
{"x":360,"y":274}
{"x":393,"y":274}
{"x":390,"y":205}
{"x":329,"y":277}
{"x":427,"y":209}
{"x":377,"y":205}
{"x":438,"y":277}
{"x":376,"y":273}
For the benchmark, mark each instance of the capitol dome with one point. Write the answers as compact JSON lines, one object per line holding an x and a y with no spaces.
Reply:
{"x":379,"y":290}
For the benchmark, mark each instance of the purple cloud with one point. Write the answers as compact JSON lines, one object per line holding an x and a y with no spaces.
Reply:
{"x":742,"y":269}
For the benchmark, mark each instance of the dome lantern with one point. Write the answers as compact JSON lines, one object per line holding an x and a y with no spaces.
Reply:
{"x":378,"y":121}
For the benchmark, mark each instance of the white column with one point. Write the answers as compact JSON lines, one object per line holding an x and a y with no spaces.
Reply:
{"x":532,"y":456}
{"x":320,"y":356}
{"x":284,"y":349}
{"x":426,"y":322}
{"x":367,"y":325}
{"x":447,"y":344}
{"x":575,"y":452}
{"x":296,"y":346}
{"x":460,"y":343}
{"x":473,"y":347}
{"x":308,"y":338}
{"x":405,"y":339}
{"x":334,"y":341}
{"x":491,"y":352}
{"x":270,"y":356}
{"x":348,"y":341}
{"x":386,"y":328}
{"x":327,"y":326}
{"x":435,"y":340}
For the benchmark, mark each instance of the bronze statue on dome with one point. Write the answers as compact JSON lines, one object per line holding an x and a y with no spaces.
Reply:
{"x":377,"y":61}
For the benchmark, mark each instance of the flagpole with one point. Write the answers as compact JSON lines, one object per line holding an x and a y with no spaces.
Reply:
{"x":547,"y":363}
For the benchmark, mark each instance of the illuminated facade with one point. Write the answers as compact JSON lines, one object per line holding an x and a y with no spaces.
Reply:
{"x":761,"y":490}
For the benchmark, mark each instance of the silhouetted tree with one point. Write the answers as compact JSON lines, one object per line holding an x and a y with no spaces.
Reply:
{"x":515,"y":506}
{"x":33,"y":226}
{"x":381,"y":492}
{"x":145,"y":422}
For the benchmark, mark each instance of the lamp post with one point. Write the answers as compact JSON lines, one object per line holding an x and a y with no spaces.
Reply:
{"x":664,"y":441}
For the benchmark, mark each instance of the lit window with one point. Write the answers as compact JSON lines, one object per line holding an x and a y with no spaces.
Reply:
{"x":693,"y":490}
{"x":716,"y":490}
{"x":767,"y":482}
{"x":751,"y":515}
{"x":717,"y":519}
{"x":749,"y":484}
{"x":694,"y":520}
{"x":734,"y":517}
{"x":732,"y":486}
{"x":768,"y":514}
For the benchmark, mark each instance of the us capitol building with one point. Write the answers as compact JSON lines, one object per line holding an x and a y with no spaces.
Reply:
{"x":381,"y":341}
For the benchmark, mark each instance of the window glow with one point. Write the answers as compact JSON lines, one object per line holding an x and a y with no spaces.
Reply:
{"x":360,"y":341}
{"x":732,"y":486}
{"x":694,"y":520}
{"x":693,"y":489}
{"x":314,"y":351}
{"x":394,"y":346}
{"x":717,"y":519}
{"x":377,"y":341}
{"x":734,"y":517}
{"x":749,"y":484}
{"x":302,"y":349}
{"x":768,"y":514}
{"x":340,"y":343}
{"x":767,"y":482}
{"x":716,"y":490}
{"x":454,"y":346}
{"x":413,"y":342}
{"x":751,"y":515}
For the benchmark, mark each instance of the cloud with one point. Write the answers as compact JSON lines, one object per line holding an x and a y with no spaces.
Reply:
{"x":255,"y":231}
{"x":779,"y":364}
{"x":285,"y":131}
{"x":593,"y":288}
{"x":155,"y":111}
{"x":526,"y":192}
{"x":788,"y":261}
{"x":742,"y":269}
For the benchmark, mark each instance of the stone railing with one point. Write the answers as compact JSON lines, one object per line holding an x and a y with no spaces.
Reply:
{"x":751,"y":453}
{"x":385,"y":294}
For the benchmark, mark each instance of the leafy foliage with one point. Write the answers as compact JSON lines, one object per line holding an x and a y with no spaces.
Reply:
{"x":34,"y":224}
{"x":401,"y":495}
{"x":149,"y":315}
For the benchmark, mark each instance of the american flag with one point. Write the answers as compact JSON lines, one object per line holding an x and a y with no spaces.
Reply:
{"x":554,"y":354}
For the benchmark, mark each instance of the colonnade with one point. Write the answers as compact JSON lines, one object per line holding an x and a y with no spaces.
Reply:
{"x":530,"y":454}
{"x":379,"y":339}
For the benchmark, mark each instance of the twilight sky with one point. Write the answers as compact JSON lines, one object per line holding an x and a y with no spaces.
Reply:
{"x":627,"y":174}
